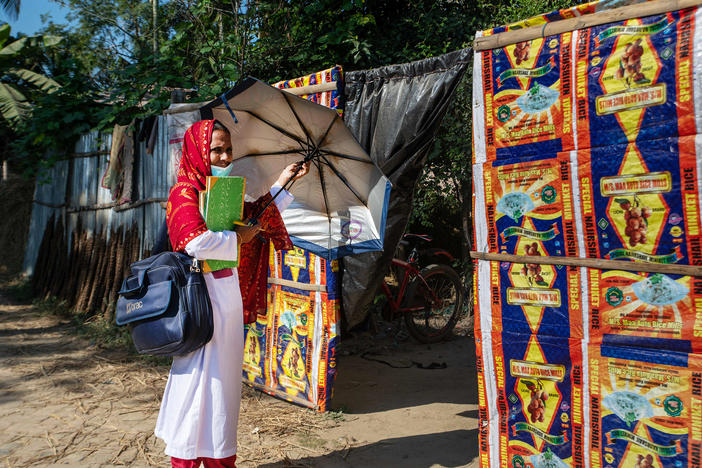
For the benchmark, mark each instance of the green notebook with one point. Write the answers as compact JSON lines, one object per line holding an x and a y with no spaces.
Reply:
{"x":222,"y":206}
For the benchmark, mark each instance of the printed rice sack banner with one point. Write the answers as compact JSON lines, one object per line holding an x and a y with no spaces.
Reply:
{"x":646,"y":408}
{"x":326,"y":350}
{"x":296,"y":267}
{"x":484,"y":412}
{"x":539,"y":387}
{"x":523,"y":99}
{"x":641,"y":202}
{"x":304,"y":365}
{"x":652,"y":310}
{"x":257,"y":349}
{"x":529,"y":206}
{"x":292,"y":344}
{"x":529,"y":209}
{"x":530,"y":298}
{"x":636,"y":79}
{"x":291,"y":353}
{"x":333,"y":99}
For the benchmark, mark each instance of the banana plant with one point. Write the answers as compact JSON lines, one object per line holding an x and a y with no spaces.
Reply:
{"x":16,"y":80}
{"x":11,"y":8}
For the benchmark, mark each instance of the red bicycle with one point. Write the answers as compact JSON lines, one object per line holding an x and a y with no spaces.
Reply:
{"x":430,"y":298}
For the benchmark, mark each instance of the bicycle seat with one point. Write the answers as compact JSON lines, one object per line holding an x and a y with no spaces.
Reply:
{"x":416,"y":238}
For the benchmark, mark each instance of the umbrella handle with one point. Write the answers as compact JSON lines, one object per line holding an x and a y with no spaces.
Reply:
{"x":287,"y":184}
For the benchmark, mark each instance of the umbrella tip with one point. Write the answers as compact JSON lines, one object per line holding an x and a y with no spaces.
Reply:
{"x":223,"y":97}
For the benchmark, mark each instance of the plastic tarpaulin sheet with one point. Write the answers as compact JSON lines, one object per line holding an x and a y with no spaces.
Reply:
{"x":395,"y":112}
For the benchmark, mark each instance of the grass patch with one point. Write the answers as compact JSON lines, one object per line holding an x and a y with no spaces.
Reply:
{"x":336,"y":415}
{"x":311,"y":440}
{"x":18,"y":289}
{"x":107,"y":335}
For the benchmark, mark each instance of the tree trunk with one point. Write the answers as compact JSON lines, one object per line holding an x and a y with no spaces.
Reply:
{"x":5,"y":170}
{"x":154,"y":12}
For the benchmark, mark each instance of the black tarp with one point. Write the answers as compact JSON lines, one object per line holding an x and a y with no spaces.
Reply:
{"x":395,"y":113}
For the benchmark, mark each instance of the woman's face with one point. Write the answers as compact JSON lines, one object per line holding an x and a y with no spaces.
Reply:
{"x":220,"y":149}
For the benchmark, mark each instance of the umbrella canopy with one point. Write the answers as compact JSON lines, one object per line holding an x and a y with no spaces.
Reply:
{"x":340,"y":207}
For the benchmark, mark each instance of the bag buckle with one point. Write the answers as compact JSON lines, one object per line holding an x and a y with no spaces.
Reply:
{"x":195,"y":266}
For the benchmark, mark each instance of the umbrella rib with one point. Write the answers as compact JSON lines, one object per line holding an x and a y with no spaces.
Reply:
{"x":273,"y":153}
{"x":343,"y":179}
{"x":326,"y":132}
{"x":345,"y":156}
{"x":281,"y":130}
{"x":326,"y":202}
{"x":297,"y":117}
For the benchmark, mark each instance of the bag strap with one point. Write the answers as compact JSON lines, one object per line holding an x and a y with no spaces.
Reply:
{"x":162,"y":242}
{"x":142,"y":281}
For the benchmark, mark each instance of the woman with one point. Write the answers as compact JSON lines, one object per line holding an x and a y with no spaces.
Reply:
{"x":200,"y":407}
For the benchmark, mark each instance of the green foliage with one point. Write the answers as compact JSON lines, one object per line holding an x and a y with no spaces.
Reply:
{"x":510,"y":12}
{"x":443,"y":195}
{"x":52,"y":306}
{"x":11,"y":8}
{"x":18,"y":77}
{"x":110,"y":73}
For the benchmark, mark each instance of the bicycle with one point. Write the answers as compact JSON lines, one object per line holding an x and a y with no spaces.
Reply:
{"x":430,"y":299}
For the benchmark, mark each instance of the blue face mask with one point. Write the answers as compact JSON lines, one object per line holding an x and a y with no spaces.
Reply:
{"x":221,"y":171}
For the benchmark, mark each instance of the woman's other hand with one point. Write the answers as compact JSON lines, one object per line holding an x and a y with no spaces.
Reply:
{"x":245,"y":233}
{"x":289,"y":172}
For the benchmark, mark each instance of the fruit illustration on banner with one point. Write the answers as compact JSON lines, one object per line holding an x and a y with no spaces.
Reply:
{"x":636,"y":218}
{"x":537,"y":406}
{"x":532,"y":271}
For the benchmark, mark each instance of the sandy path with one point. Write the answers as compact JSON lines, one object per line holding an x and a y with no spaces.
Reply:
{"x":66,"y":402}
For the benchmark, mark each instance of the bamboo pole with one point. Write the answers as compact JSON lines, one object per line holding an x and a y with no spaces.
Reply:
{"x":655,"y":7}
{"x":86,"y":273}
{"x":61,"y":253}
{"x":73,"y":267}
{"x":108,"y":278}
{"x":598,"y":263}
{"x":96,"y":274}
{"x":315,"y":88}
{"x":58,"y":257}
{"x":118,"y":271}
{"x":43,"y":257}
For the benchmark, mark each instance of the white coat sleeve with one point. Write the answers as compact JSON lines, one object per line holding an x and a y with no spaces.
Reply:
{"x":213,"y":245}
{"x":284,"y":199}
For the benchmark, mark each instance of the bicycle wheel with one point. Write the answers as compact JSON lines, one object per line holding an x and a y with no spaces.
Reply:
{"x":432,"y":313}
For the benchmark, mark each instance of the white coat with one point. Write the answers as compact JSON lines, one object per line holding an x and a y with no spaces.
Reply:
{"x":200,"y":407}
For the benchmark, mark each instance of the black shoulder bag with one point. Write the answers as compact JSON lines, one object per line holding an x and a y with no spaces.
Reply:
{"x":165,"y":304}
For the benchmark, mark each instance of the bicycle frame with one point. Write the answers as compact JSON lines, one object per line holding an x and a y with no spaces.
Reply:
{"x":411,"y":272}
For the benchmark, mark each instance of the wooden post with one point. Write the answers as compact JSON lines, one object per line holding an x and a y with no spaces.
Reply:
{"x":655,"y":7}
{"x":599,"y":263}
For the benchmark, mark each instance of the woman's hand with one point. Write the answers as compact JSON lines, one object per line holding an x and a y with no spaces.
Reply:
{"x":246,"y":232}
{"x":288,"y":172}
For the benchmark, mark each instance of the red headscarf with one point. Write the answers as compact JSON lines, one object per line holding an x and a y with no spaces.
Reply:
{"x":185,"y":222}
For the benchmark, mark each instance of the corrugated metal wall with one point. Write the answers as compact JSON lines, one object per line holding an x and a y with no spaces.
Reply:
{"x":75,"y":183}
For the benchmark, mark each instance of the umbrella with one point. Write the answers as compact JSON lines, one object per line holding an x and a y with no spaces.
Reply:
{"x":341,"y":205}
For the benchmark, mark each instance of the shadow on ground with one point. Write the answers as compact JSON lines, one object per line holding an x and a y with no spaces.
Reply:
{"x":367,"y":385}
{"x":420,"y":451}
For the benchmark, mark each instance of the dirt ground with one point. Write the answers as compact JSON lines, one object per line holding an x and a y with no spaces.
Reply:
{"x":64,"y":401}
